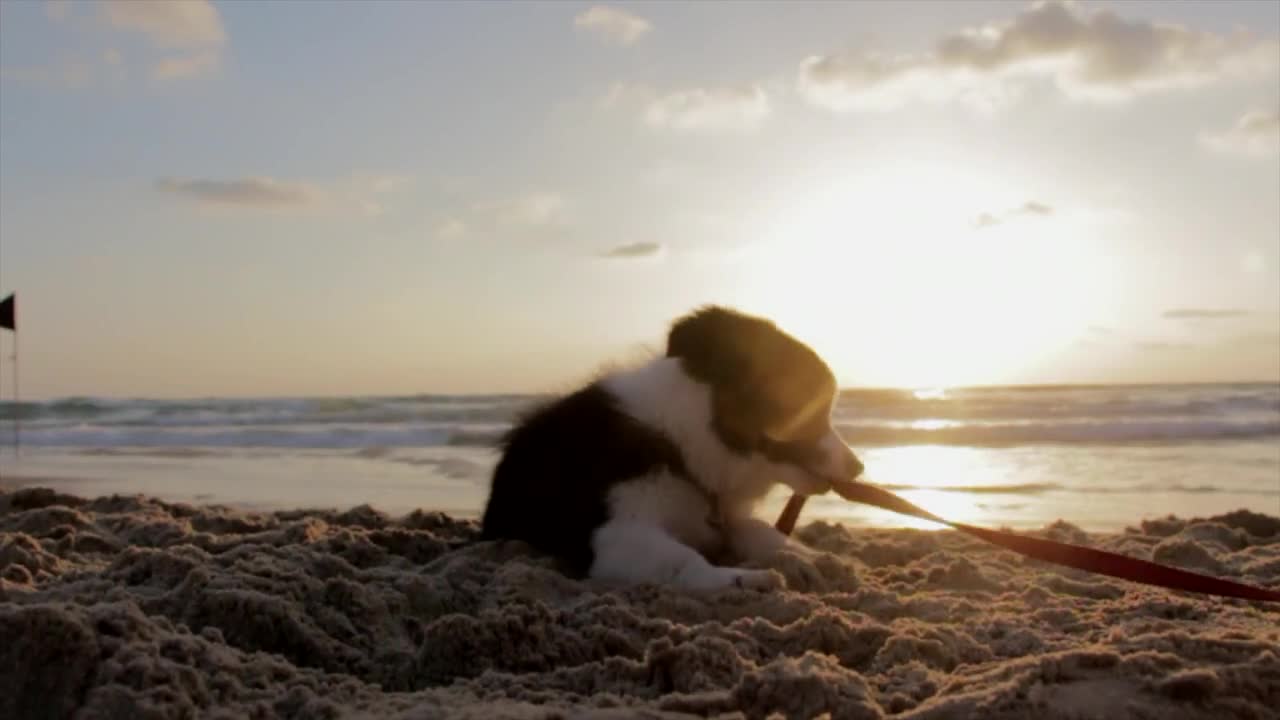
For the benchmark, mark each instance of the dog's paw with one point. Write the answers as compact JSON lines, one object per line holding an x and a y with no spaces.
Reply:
{"x":801,"y":550}
{"x":758,"y":580}
{"x":722,"y":578}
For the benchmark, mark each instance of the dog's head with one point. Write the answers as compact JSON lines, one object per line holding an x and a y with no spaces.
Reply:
{"x":771,"y":395}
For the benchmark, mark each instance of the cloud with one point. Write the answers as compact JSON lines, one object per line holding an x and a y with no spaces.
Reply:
{"x":635,"y":250}
{"x":1204,"y":313}
{"x":526,"y":213}
{"x":451,"y":229}
{"x":181,"y":66}
{"x":1029,"y":208}
{"x":714,"y":109}
{"x":1255,"y":133}
{"x":986,"y":220}
{"x":717,"y":109}
{"x":357,"y":193}
{"x":530,"y":209}
{"x":186,"y":39}
{"x":257,"y":192}
{"x":190,"y":32}
{"x":1164,"y":346}
{"x":182,"y":24}
{"x":612,"y":24}
{"x":1087,"y":55}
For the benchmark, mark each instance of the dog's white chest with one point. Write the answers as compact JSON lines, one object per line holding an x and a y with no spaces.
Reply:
{"x":670,"y":502}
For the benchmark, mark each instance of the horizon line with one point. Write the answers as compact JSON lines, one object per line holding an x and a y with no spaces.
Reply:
{"x":846,"y":389}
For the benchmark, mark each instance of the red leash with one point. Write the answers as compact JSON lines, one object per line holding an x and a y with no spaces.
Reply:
{"x":1076,"y":556}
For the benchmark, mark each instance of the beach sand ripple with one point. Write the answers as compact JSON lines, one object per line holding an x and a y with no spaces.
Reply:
{"x":129,"y":607}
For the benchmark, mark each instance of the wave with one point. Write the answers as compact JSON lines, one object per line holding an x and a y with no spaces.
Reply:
{"x":365,"y":436}
{"x":342,"y":437}
{"x":1032,"y":433}
{"x":266,"y":412}
{"x":965,"y":404}
{"x":982,"y":417}
{"x":1060,"y":405}
{"x":1048,"y":487}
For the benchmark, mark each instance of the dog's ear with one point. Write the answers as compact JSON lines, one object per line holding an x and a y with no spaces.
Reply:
{"x":764,"y":382}
{"x":724,"y":349}
{"x":694,"y":337}
{"x":714,"y":345}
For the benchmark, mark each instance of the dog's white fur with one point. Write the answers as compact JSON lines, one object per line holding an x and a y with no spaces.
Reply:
{"x":660,"y":527}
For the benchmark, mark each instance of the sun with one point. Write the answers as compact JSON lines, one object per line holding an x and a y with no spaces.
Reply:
{"x":890,"y":277}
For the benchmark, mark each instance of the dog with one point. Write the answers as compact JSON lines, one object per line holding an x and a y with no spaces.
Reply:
{"x":650,"y":474}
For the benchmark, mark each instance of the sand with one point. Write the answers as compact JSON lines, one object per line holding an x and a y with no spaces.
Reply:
{"x":129,"y":607}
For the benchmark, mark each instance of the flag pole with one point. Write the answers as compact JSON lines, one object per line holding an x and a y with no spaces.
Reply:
{"x":17,"y":398}
{"x":9,"y":321}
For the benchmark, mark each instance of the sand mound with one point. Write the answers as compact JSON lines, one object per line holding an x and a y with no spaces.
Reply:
{"x":128,"y":607}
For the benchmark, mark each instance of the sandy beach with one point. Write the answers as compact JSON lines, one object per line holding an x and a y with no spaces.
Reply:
{"x":127,"y":606}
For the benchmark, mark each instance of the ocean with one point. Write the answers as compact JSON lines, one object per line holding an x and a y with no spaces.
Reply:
{"x":1099,"y":457}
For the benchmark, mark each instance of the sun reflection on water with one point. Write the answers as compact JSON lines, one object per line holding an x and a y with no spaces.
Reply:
{"x":930,"y":393}
{"x":922,"y":475}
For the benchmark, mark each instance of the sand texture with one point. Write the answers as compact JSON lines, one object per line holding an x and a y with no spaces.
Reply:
{"x":129,"y":607}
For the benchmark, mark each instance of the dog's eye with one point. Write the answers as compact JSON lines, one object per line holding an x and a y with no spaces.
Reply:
{"x":794,"y":452}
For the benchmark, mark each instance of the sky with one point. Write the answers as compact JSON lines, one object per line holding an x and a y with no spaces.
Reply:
{"x":305,"y":198}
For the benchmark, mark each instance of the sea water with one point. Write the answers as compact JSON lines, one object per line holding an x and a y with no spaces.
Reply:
{"x":1100,"y":457}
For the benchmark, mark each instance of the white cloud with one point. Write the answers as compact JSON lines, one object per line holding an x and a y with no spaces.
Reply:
{"x":524,"y":212}
{"x":169,"y":23}
{"x":871,"y":81}
{"x":530,"y":209}
{"x":451,"y":229}
{"x":622,"y":94}
{"x":1256,"y":133}
{"x":186,"y":39}
{"x":180,"y":66}
{"x":189,"y":32}
{"x":1087,"y":55}
{"x":612,"y":24}
{"x":733,"y":109}
{"x":356,"y":194}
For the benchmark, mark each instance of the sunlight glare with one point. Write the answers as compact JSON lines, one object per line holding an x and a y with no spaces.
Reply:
{"x":922,"y":474}
{"x":887,"y":275}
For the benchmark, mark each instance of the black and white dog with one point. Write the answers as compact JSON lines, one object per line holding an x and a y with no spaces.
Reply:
{"x":650,"y":475}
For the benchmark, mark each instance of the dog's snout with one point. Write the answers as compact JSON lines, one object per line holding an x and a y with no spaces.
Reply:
{"x":853,"y":465}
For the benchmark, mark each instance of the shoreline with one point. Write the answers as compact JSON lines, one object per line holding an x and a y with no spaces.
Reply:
{"x":119,"y":605}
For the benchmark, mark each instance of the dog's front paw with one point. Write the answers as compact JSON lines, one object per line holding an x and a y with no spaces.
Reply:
{"x":720,"y":578}
{"x":801,"y":550}
{"x":758,"y":580}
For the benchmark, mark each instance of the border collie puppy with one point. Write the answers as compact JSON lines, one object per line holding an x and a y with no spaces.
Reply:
{"x":650,"y":475}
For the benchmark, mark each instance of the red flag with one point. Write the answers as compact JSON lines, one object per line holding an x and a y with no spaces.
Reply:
{"x":8,"y":312}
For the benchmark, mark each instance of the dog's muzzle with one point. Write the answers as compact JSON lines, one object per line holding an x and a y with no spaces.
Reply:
{"x":852,"y":465}
{"x":839,"y":462}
